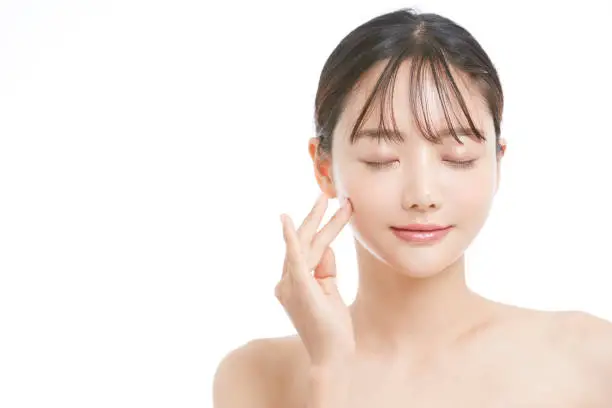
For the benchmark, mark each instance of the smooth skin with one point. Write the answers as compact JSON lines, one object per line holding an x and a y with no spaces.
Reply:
{"x":415,"y":335}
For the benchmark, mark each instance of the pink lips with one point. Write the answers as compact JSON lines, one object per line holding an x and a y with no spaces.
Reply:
{"x":421,"y":233}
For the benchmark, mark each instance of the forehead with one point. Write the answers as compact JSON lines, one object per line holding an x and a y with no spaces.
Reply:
{"x":430,"y":97}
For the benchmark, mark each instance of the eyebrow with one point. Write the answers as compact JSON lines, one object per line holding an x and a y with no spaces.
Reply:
{"x":399,"y":136}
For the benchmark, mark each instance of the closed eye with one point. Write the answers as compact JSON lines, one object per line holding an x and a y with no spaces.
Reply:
{"x":462,"y":164}
{"x":380,"y":164}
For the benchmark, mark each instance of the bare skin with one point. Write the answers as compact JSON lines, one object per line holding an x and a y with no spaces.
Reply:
{"x":519,"y":358}
{"x":416,"y":335}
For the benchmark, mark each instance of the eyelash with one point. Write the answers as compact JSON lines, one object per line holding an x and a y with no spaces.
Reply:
{"x":462,"y":164}
{"x":379,"y":165}
{"x":458,"y":164}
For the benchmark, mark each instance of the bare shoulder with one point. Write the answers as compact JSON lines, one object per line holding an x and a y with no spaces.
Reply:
{"x":585,"y":341}
{"x":576,"y":334}
{"x":255,"y":374}
{"x":571,"y":349}
{"x":587,"y":338}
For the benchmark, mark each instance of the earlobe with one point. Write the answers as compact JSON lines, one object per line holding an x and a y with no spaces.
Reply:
{"x":328,"y":188}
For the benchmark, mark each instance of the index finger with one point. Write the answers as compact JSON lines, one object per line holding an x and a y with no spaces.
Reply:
{"x":309,"y":226}
{"x":331,"y":230}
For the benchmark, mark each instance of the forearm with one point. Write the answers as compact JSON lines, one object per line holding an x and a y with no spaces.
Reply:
{"x":329,"y":387}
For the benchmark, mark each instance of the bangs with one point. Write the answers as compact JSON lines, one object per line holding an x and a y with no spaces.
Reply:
{"x":428,"y":66}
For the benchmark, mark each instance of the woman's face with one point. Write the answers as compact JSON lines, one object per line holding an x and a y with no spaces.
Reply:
{"x":415,"y":181}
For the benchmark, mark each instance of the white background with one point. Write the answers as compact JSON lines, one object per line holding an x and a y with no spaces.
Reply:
{"x":147,"y":149}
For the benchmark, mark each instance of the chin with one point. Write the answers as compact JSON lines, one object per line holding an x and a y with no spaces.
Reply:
{"x":419,"y":267}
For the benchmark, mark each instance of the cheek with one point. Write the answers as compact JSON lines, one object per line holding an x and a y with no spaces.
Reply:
{"x":372,"y":198}
{"x":369,"y":194}
{"x":474,"y":196}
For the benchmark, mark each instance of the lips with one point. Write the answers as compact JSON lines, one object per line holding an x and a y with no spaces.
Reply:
{"x":422,"y":227}
{"x":421,"y":233}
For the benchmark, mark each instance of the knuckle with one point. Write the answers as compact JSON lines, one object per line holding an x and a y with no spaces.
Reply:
{"x":281,"y":291}
{"x":278,"y":291}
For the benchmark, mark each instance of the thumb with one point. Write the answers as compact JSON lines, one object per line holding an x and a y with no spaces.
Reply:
{"x":325,"y":272}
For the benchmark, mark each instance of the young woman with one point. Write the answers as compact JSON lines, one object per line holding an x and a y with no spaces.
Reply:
{"x":408,"y":117}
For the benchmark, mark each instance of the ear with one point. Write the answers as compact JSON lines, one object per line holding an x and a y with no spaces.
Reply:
{"x":501,"y":151}
{"x":322,"y":168}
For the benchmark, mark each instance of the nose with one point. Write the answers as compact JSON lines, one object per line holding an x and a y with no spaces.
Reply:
{"x":421,"y":190}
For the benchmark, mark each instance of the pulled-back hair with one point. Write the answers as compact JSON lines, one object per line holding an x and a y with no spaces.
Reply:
{"x":434,"y":44}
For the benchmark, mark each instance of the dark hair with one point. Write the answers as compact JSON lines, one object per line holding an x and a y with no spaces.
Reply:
{"x":433,"y":43}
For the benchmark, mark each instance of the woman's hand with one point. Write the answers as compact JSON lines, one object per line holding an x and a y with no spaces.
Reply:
{"x":312,"y":300}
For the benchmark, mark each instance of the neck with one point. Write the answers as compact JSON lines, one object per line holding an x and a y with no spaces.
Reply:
{"x":394,"y":313}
